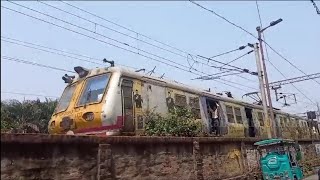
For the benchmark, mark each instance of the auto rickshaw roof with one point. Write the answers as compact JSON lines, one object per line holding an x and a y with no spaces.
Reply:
{"x":269,"y":142}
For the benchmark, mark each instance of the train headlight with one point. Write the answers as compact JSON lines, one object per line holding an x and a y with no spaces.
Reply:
{"x":89,"y":116}
{"x":52,"y":124}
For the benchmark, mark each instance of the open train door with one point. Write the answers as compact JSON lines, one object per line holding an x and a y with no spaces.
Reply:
{"x":137,"y":106}
{"x":127,"y":105}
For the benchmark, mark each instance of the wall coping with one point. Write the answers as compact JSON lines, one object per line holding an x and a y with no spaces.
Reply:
{"x":91,"y":139}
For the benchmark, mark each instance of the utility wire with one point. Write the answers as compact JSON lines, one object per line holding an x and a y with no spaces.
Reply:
{"x":101,"y":25}
{"x":249,"y":34}
{"x":104,"y":19}
{"x":27,"y":94}
{"x":112,"y":39}
{"x":91,"y":37}
{"x":238,"y":68}
{"x":126,"y":44}
{"x":34,"y":64}
{"x":51,"y":52}
{"x":238,"y":58}
{"x":239,"y":27}
{"x":101,"y":40}
{"x":240,"y":48}
{"x":225,"y":19}
{"x":217,"y":77}
{"x":291,"y":83}
{"x":289,"y":61}
{"x":80,"y":59}
{"x":104,"y":41}
{"x":268,"y":59}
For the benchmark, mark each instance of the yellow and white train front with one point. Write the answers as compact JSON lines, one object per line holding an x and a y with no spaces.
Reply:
{"x":88,"y":104}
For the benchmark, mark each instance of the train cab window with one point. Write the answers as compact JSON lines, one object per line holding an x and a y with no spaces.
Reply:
{"x":65,"y":98}
{"x":180,"y":100}
{"x":260,"y":118}
{"x":238,"y":115}
{"x":230,"y":114}
{"x":94,"y":89}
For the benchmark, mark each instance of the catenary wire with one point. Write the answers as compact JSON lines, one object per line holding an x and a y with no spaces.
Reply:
{"x":28,"y":94}
{"x":34,"y":64}
{"x":260,"y":20}
{"x":239,"y":48}
{"x":80,"y":59}
{"x":103,"y":41}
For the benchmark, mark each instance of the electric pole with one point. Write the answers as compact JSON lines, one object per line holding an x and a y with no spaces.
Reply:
{"x":265,"y":76}
{"x":261,"y":85}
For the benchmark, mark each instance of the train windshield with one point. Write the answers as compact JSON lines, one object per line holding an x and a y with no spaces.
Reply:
{"x":65,"y":98}
{"x":94,"y":89}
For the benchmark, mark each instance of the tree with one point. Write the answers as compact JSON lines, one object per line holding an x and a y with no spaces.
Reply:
{"x":26,"y":116}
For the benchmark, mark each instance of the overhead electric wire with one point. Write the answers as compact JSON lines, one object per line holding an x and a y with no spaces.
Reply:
{"x":46,"y":47}
{"x":229,"y":70}
{"x":291,"y":83}
{"x":239,"y":48}
{"x":112,"y":39}
{"x":238,"y":58}
{"x":148,"y":57}
{"x":111,"y":29}
{"x":105,"y":42}
{"x":260,"y":20}
{"x":126,"y":44}
{"x":222,"y":82}
{"x":35,"y":64}
{"x":218,"y":77}
{"x":238,"y":68}
{"x":225,"y":19}
{"x":239,"y":27}
{"x":51,"y":52}
{"x":28,"y":94}
{"x":104,"y":19}
{"x":288,"y":61}
{"x":58,"y":51}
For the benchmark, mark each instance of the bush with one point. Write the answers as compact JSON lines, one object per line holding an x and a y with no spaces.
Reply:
{"x":180,"y":122}
{"x":26,"y":116}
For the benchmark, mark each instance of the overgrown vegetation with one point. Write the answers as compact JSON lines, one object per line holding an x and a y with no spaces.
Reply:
{"x":32,"y":116}
{"x":180,"y":122}
{"x":26,"y":116}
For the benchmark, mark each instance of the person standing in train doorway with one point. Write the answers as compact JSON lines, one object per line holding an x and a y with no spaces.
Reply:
{"x":170,"y":102}
{"x":214,"y":116}
{"x":138,"y":100}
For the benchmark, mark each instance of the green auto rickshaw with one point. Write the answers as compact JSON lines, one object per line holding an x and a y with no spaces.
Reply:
{"x":279,"y":159}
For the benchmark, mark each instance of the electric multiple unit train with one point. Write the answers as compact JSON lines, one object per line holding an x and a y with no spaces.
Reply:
{"x":113,"y":100}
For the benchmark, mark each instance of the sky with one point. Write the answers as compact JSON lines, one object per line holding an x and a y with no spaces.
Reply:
{"x":179,"y":24}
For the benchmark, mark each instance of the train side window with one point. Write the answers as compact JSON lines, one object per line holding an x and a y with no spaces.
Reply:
{"x":195,"y":107}
{"x":289,"y":123}
{"x":260,"y":118}
{"x":230,"y":115}
{"x":181,"y":100}
{"x":238,"y":115}
{"x":281,"y":122}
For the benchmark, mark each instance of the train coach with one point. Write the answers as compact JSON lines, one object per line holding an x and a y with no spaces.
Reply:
{"x":113,"y":100}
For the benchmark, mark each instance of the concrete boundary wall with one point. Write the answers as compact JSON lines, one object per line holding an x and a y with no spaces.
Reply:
{"x":42,"y":156}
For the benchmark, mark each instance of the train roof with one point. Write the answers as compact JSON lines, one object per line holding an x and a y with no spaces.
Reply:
{"x":174,"y":84}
